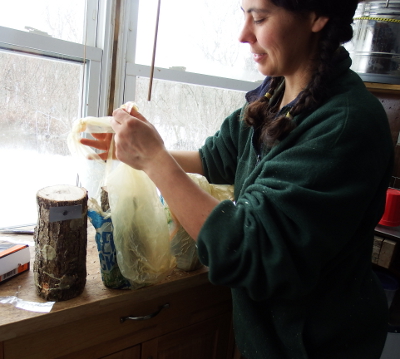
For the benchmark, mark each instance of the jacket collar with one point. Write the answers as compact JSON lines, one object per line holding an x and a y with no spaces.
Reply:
{"x":341,"y":61}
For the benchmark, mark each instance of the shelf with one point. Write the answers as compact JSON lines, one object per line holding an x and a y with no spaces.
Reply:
{"x":388,"y":232}
{"x":382,"y":88}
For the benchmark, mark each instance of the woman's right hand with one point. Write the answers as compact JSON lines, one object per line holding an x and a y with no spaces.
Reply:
{"x":102,"y":142}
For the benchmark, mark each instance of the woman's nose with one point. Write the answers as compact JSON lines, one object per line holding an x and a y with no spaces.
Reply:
{"x":245,"y":35}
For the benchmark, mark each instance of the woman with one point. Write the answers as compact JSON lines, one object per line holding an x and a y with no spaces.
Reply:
{"x":310,"y":155}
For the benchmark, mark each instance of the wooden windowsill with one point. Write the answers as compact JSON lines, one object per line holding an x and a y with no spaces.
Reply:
{"x":382,"y":88}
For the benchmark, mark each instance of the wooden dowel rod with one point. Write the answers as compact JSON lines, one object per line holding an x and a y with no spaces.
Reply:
{"x":153,"y":60}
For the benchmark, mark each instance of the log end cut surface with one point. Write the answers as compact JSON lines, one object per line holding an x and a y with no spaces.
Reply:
{"x":60,"y":193}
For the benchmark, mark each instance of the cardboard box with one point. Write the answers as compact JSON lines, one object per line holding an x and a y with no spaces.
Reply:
{"x":14,"y":259}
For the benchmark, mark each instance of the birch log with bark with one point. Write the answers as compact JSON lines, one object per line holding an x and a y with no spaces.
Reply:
{"x":60,"y":242}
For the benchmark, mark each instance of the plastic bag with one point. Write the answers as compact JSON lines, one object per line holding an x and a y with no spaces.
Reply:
{"x":140,"y":227}
{"x":87,"y":125}
{"x":183,"y":246}
{"x":110,"y":272}
{"x":91,"y":125}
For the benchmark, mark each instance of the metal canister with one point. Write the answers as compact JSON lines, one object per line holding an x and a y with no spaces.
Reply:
{"x":375,"y":47}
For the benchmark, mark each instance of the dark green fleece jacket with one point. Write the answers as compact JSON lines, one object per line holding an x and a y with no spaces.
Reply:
{"x":295,"y":246}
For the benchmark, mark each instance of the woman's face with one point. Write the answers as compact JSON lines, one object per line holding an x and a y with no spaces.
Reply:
{"x":282,"y":42}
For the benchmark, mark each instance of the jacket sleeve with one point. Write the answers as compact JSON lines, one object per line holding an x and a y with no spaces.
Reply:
{"x":219,"y":153}
{"x":310,"y":205}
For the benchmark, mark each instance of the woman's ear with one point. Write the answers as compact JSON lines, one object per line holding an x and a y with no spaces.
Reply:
{"x":318,"y":22}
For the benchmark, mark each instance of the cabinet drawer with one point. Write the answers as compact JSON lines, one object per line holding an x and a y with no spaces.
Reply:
{"x":129,"y":353}
{"x":108,"y":334}
{"x":205,"y":340}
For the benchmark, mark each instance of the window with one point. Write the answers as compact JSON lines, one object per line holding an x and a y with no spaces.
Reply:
{"x":57,"y":64}
{"x":50,"y":65}
{"x":201,"y":69}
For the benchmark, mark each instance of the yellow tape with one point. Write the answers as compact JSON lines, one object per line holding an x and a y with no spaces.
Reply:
{"x":384,"y":19}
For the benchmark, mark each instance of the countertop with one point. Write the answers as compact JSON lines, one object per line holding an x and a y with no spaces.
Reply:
{"x":94,"y":300}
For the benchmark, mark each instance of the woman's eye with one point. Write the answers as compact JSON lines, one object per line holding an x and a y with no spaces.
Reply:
{"x":258,"y":21}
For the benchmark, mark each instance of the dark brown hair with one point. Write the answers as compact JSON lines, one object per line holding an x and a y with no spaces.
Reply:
{"x":338,"y":30}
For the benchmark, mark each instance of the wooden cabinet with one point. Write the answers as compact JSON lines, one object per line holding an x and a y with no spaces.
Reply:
{"x":196,"y":324}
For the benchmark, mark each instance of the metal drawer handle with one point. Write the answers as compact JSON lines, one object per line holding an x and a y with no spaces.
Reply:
{"x":146,"y":317}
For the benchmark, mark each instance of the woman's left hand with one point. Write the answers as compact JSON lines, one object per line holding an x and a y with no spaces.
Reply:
{"x":137,"y":142}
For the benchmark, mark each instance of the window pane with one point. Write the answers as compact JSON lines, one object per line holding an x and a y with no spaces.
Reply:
{"x":39,"y":100}
{"x":57,"y":18}
{"x":199,"y":36}
{"x":185,"y":115}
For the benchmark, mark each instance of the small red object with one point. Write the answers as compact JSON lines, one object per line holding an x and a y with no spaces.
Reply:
{"x":391,"y":216}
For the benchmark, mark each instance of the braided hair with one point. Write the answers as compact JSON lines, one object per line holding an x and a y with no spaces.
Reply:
{"x":261,"y":114}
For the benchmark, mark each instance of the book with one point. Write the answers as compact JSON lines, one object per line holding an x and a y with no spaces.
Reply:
{"x":14,"y":259}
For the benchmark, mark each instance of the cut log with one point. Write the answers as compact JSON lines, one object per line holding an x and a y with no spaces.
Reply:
{"x":60,"y":242}
{"x":105,"y":204}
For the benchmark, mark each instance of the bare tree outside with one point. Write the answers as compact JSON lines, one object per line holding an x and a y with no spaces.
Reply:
{"x":71,"y":26}
{"x":217,"y":30}
{"x":199,"y":36}
{"x":185,"y":115}
{"x":39,"y":99}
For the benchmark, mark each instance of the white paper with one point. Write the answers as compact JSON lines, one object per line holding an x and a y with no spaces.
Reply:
{"x":26,"y":305}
